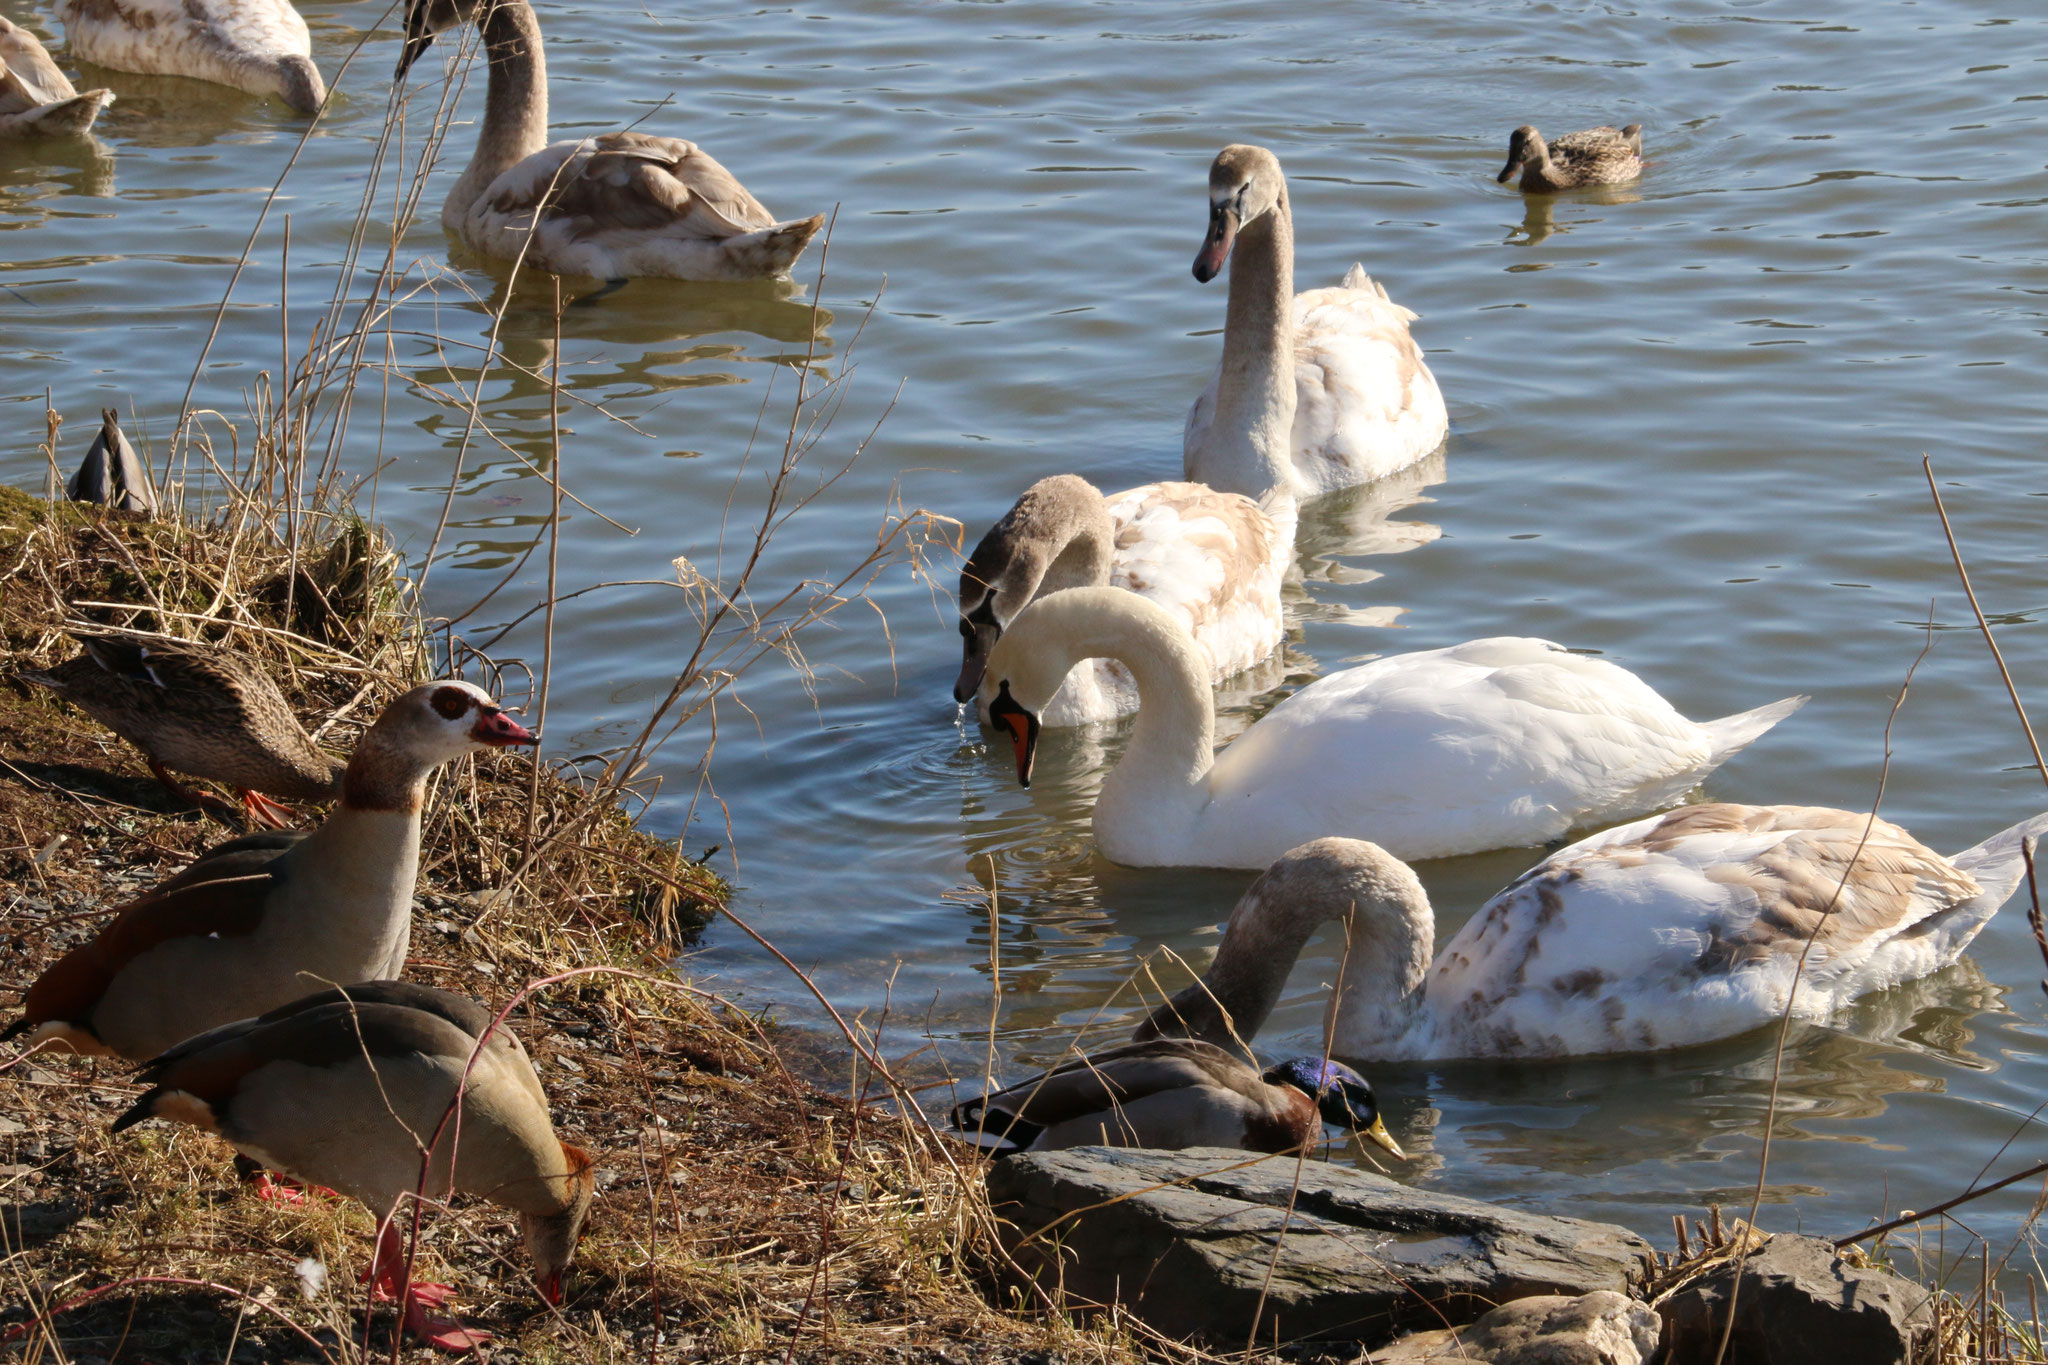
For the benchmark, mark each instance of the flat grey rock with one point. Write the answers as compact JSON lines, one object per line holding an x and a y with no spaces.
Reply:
{"x":1799,"y":1302}
{"x":1200,"y":1243}
{"x":1600,"y":1328}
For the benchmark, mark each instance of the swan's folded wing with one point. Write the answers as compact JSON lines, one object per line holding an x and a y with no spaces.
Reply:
{"x":636,"y":181}
{"x":1689,"y":925}
{"x":29,"y":78}
{"x":1213,"y":559}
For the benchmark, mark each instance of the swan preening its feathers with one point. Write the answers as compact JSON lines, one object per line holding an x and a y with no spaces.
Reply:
{"x":618,"y":206}
{"x":261,"y":46}
{"x":1174,"y":1093}
{"x":1591,"y":156}
{"x":1489,"y":744}
{"x":1675,"y":930}
{"x":1314,"y":392}
{"x":36,"y":98}
{"x":1214,"y":560}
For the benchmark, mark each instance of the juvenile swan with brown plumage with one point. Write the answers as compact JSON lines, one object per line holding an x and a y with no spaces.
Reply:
{"x":616,"y":206}
{"x":262,"y":920}
{"x":261,"y":46}
{"x":1671,"y":931}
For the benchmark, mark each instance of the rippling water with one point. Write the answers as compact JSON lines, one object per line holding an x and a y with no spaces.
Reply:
{"x":1687,"y":423}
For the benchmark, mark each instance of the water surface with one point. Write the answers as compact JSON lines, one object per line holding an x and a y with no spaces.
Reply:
{"x":1687,"y":425}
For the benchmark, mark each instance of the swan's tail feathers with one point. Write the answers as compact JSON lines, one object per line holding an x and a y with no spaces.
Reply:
{"x":2000,"y":861}
{"x":1730,"y":735}
{"x":772,"y":251}
{"x":63,"y":118}
{"x":1356,"y":278}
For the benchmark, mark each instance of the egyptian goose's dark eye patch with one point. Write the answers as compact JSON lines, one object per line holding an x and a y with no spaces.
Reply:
{"x":453,"y":702}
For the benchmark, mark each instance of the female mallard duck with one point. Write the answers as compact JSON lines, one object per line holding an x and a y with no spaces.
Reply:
{"x":1592,"y":156}
{"x":1676,"y":930}
{"x":618,"y":206}
{"x":36,"y":98}
{"x":1215,"y":560}
{"x":202,"y":710}
{"x":260,"y":46}
{"x":1489,"y":744}
{"x":1315,"y":391}
{"x":1173,"y":1093}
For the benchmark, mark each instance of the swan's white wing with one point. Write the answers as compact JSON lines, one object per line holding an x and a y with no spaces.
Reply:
{"x":259,"y":28}
{"x":1688,"y":926}
{"x":1366,"y":404}
{"x":1215,"y":560}
{"x":28,"y":76}
{"x":1488,"y":744}
{"x":631,"y":182}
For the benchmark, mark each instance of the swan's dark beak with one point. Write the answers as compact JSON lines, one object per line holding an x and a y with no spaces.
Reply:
{"x":418,"y":38}
{"x":1023,"y":728}
{"x":969,"y":681}
{"x":1216,"y":246}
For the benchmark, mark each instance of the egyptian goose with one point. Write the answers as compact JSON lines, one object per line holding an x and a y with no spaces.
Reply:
{"x":112,"y":474}
{"x":1315,"y":391}
{"x":1675,"y":930}
{"x":260,"y":46}
{"x":1215,"y":560}
{"x":258,"y":920}
{"x":202,"y":710}
{"x":36,"y":98}
{"x":1173,"y":1093}
{"x":1488,"y":744}
{"x":616,"y":206}
{"x":1591,"y":156}
{"x":459,"y":1010}
{"x":345,"y":1093}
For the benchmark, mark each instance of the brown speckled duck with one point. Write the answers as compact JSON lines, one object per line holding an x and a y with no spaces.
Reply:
{"x":1591,"y":156}
{"x":260,"y":920}
{"x":345,"y":1092}
{"x":202,"y":710}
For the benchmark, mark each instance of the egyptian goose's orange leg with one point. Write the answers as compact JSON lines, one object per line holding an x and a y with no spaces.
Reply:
{"x":386,"y":1277}
{"x":265,"y":813}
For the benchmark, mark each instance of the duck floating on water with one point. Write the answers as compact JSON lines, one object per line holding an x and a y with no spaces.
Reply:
{"x":1591,"y":156}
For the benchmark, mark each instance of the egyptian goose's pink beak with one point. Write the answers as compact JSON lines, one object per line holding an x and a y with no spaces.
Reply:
{"x":496,"y":728}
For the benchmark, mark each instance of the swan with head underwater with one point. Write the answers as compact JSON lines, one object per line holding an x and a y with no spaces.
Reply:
{"x":1489,"y":744}
{"x":618,"y":206}
{"x":1675,"y":930}
{"x":1316,"y":391}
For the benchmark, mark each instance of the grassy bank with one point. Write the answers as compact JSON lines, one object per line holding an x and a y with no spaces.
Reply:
{"x":743,"y":1213}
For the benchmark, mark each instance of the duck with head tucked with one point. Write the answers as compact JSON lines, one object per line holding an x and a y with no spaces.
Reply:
{"x":616,"y":206}
{"x":1591,"y":156}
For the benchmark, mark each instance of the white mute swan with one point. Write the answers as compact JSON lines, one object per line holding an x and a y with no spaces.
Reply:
{"x":1487,"y":744}
{"x":36,"y":98}
{"x":1314,"y":392}
{"x":1675,"y":930}
{"x":1215,"y":560}
{"x":617,"y":207}
{"x":260,"y":46}
{"x":1591,"y":156}
{"x":1173,"y":1093}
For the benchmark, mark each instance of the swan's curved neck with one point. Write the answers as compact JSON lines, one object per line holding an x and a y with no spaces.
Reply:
{"x":1082,"y":559}
{"x":1254,"y":423}
{"x":1160,"y":786}
{"x":515,"y":103}
{"x":1388,"y":937}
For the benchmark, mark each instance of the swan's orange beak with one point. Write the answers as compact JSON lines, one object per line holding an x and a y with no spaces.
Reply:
{"x":1023,"y":728}
{"x":1216,"y":246}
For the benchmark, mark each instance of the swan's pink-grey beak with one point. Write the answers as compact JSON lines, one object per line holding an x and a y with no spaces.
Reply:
{"x":1216,"y":246}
